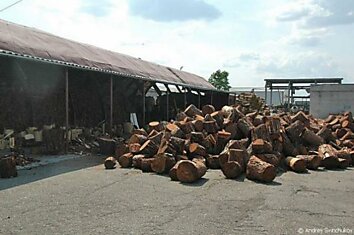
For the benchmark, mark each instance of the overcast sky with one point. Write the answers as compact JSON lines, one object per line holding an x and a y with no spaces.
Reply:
{"x":251,"y":39}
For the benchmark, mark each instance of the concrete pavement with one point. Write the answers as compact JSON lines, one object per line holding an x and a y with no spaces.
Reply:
{"x":78,"y":196}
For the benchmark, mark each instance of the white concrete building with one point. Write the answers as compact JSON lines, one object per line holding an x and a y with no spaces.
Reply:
{"x":331,"y":99}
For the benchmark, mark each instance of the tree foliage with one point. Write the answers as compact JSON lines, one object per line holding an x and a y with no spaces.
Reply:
{"x":220,"y":80}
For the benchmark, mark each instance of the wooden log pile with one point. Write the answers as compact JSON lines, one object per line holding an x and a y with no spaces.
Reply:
{"x":239,"y":142}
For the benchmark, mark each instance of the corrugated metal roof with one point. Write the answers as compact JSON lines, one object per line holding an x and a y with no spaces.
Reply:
{"x":36,"y":44}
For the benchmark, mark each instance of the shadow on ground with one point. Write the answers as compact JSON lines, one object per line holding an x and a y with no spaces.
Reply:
{"x":41,"y":172}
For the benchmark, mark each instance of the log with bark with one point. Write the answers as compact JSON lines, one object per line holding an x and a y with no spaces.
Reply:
{"x":312,"y":161}
{"x":110,"y":163}
{"x":192,"y":111}
{"x":260,"y":170}
{"x":328,"y":154}
{"x":208,"y":109}
{"x":162,"y":163}
{"x":190,"y":171}
{"x":8,"y":167}
{"x":126,"y":160}
{"x":149,"y":148}
{"x":145,"y":164}
{"x":296,"y":164}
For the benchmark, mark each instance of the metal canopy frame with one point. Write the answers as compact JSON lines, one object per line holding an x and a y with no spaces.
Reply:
{"x":293,"y":84}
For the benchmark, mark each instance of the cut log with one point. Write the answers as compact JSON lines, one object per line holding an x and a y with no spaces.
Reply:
{"x":149,"y":148}
{"x":190,"y":171}
{"x":310,"y":138}
{"x":210,"y":126}
{"x":343,"y":163}
{"x":198,"y":125}
{"x":177,"y":144}
{"x":110,"y":163}
{"x":134,"y":148}
{"x":136,"y":161}
{"x":231,"y":169}
{"x":245,"y":127}
{"x":261,"y":146}
{"x":107,"y":145}
{"x":269,"y":158}
{"x":295,"y":130}
{"x":329,"y":156}
{"x":274,"y":127}
{"x":174,"y":130}
{"x":186,"y":127}
{"x":192,"y":111}
{"x":197,"y":137}
{"x":213,"y":162}
{"x":157,"y":138}
{"x":8,"y":167}
{"x":173,"y":172}
{"x":121,"y":149}
{"x":196,"y":149}
{"x":218,"y":117}
{"x":260,"y":170}
{"x":232,"y":128}
{"x":181,"y":116}
{"x":140,"y":139}
{"x":312,"y":161}
{"x":296,"y":164}
{"x":146,"y":164}
{"x":126,"y":160}
{"x":326,"y":134}
{"x":302,"y":117}
{"x":140,"y":132}
{"x":260,"y":132}
{"x":162,"y":163}
{"x":157,"y":126}
{"x":240,"y":156}
{"x":208,"y":109}
{"x":345,"y":154}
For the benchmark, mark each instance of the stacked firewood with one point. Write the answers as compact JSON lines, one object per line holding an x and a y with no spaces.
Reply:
{"x":250,"y":101}
{"x":238,"y":142}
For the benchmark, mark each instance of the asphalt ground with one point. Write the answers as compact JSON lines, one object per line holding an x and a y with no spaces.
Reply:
{"x":77,"y":196}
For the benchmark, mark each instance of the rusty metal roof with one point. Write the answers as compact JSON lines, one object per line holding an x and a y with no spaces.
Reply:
{"x":35,"y":44}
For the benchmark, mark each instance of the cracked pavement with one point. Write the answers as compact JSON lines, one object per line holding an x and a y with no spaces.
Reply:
{"x":78,"y":196}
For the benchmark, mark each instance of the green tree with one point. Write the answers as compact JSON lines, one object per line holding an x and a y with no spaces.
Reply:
{"x":220,"y":80}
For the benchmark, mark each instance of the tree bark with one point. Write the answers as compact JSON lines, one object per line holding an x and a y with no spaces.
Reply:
{"x":110,"y":163}
{"x":296,"y":164}
{"x":190,"y":171}
{"x":260,"y":170}
{"x":312,"y":161}
{"x":126,"y":160}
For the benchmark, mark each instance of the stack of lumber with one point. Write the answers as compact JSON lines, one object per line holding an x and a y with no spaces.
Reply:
{"x":239,"y":142}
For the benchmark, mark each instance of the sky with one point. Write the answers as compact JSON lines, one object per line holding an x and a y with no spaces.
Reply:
{"x":251,"y":39}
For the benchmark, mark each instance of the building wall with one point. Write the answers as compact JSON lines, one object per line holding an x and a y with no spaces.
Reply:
{"x":331,"y":99}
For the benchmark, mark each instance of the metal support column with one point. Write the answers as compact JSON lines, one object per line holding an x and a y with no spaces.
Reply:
{"x":111,"y":104}
{"x":211,"y":98}
{"x":167,"y":105}
{"x":144,"y":108}
{"x":271,"y":96}
{"x":265,"y":92}
{"x":185,"y":97}
{"x":199,"y":99}
{"x":66,"y":110}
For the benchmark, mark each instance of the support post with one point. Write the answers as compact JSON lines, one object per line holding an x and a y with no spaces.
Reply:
{"x":271,"y":96}
{"x":111,"y":104}
{"x":185,"y":97}
{"x":211,"y":98}
{"x":199,"y":99}
{"x":265,"y":92}
{"x":167,"y":105}
{"x":66,"y":110}
{"x":144,"y":108}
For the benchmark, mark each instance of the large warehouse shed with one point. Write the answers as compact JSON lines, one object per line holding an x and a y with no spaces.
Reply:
{"x":47,"y":79}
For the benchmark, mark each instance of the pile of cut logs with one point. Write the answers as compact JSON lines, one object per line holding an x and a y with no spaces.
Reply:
{"x":250,"y":101}
{"x":238,"y":142}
